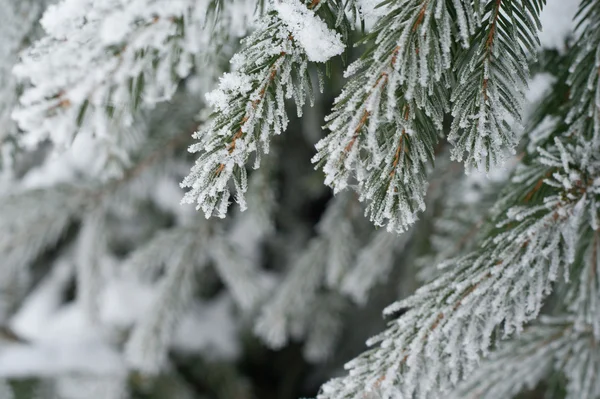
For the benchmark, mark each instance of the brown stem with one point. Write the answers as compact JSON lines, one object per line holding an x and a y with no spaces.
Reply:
{"x":489,"y":44}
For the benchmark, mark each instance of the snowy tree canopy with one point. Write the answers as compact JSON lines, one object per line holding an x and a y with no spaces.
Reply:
{"x":437,"y":160}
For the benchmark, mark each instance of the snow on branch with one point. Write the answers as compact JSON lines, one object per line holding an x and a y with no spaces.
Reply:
{"x":146,"y":348}
{"x":101,"y":62}
{"x":551,"y":345}
{"x":584,"y":80}
{"x":18,"y":20}
{"x":462,"y":211}
{"x":249,"y":104}
{"x":321,"y":265}
{"x":34,"y":220}
{"x":385,"y":123}
{"x":492,"y":76}
{"x":179,"y":255}
{"x":450,"y":322}
{"x":373,"y":264}
{"x":545,"y":227}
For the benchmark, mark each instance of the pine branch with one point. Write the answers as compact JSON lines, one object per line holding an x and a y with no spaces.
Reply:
{"x":543,"y":220}
{"x":326,"y":326}
{"x":34,"y":220}
{"x":462,"y":218}
{"x":373,"y":264}
{"x":250,"y":102}
{"x":550,"y":345}
{"x":18,"y":25}
{"x":140,"y":51}
{"x":321,"y":265}
{"x":282,"y":317}
{"x":492,"y":76}
{"x":582,"y":296}
{"x":146,"y":348}
{"x":386,"y":122}
{"x":584,"y":81}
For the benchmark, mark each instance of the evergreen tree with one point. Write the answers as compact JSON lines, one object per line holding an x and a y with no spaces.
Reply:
{"x":452,"y":189}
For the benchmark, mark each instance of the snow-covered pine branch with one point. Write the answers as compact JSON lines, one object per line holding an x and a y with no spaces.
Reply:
{"x":448,"y":324}
{"x":582,"y":296}
{"x":324,"y":262}
{"x":18,"y":24}
{"x":584,"y":81}
{"x":341,"y":262}
{"x":27,"y":228}
{"x":460,"y":222}
{"x":147,"y":346}
{"x":249,"y":104}
{"x":130,"y":71}
{"x":542,"y":231}
{"x":30,"y":223}
{"x":550,"y":345}
{"x":385,"y":123}
{"x":492,"y":77}
{"x":180,"y":254}
{"x":373,"y":264}
{"x":101,"y":62}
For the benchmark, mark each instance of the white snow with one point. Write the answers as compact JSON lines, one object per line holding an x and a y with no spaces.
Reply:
{"x":231,"y":85}
{"x":318,"y":41}
{"x":115,"y":28}
{"x":557,"y":22}
{"x":67,"y":343}
{"x":209,"y":328}
{"x":124,"y":302}
{"x":62,"y":338}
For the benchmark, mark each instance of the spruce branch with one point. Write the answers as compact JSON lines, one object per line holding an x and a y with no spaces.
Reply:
{"x":146,"y":349}
{"x":250,"y":102}
{"x":386,"y":122}
{"x":140,"y":51}
{"x":34,"y":220}
{"x":582,"y":297}
{"x":18,"y":23}
{"x":492,"y":76}
{"x":584,"y":80}
{"x":450,"y":322}
{"x":373,"y":264}
{"x":541,"y":231}
{"x":321,"y":266}
{"x":462,"y":213}
{"x":550,"y":345}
